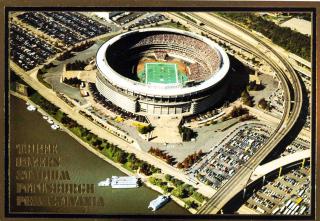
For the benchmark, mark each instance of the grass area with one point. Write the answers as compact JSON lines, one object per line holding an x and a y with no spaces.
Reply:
{"x":59,"y":115}
{"x":128,"y":166}
{"x":182,"y":78}
{"x":40,"y":78}
{"x":174,"y":25}
{"x":187,"y":17}
{"x":165,"y":73}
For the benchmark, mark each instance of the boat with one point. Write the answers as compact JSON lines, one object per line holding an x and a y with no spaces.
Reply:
{"x":50,"y":121}
{"x":31,"y":108}
{"x":45,"y":117}
{"x":105,"y":182}
{"x":158,"y":202}
{"x":124,"y":182}
{"x":54,"y":126}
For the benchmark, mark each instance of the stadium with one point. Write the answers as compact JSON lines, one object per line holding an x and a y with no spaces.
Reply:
{"x":162,"y":71}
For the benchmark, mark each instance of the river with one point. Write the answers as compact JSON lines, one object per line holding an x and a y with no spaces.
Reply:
{"x":83,"y":166}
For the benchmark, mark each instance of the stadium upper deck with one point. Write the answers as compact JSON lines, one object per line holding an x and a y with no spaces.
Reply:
{"x":118,"y":81}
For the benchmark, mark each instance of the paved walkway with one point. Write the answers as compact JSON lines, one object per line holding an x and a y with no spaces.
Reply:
{"x":166,"y":129}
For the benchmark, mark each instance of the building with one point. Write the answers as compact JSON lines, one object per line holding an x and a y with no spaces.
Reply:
{"x":162,"y":71}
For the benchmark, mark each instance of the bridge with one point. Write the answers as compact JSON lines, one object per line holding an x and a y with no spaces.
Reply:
{"x":267,"y":168}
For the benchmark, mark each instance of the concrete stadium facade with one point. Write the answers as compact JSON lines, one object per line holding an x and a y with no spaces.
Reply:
{"x":161,"y":99}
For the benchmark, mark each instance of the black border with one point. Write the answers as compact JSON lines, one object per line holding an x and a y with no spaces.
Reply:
{"x":201,"y":8}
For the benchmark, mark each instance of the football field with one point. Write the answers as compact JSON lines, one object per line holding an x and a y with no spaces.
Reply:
{"x":161,"y":73}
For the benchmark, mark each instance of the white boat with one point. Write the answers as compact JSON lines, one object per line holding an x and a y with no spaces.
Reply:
{"x":105,"y":182}
{"x":50,"y":121}
{"x":55,"y":127}
{"x":31,"y":108}
{"x":45,"y":117}
{"x":158,"y":202}
{"x":124,"y":182}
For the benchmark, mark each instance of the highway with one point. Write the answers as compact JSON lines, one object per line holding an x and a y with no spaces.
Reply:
{"x":273,"y":165}
{"x":292,"y":109}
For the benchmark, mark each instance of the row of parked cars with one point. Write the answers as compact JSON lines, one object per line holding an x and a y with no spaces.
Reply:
{"x":287,"y":195}
{"x":51,"y":27}
{"x":27,"y":50}
{"x":149,"y":20}
{"x":221,"y":164}
{"x":69,"y":27}
{"x":79,"y":23}
{"x":126,"y":17}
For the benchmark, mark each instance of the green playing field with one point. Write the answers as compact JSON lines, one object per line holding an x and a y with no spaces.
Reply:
{"x":161,"y":73}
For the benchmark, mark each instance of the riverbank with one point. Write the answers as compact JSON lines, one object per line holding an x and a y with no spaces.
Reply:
{"x":65,"y":129}
{"x":119,"y":166}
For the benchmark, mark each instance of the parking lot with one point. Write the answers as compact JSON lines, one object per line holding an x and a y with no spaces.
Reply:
{"x":69,"y":27}
{"x":287,"y":195}
{"x":295,"y":146}
{"x":27,"y":50}
{"x":126,"y":17}
{"x":224,"y":159}
{"x":148,"y":20}
{"x":277,"y":101}
{"x":79,"y":23}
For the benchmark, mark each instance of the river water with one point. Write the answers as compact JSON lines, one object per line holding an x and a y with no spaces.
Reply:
{"x":83,"y":167}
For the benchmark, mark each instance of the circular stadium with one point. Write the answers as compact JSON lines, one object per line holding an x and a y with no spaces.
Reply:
{"x":162,"y":71}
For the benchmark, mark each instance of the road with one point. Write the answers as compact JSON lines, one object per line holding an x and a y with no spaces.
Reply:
{"x":273,"y":165}
{"x":293,"y":104}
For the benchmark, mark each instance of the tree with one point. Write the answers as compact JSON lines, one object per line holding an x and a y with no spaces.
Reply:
{"x":145,"y":168}
{"x":199,"y":197}
{"x":190,"y":189}
{"x":168,"y":177}
{"x":179,"y":192}
{"x":120,"y":156}
{"x":176,"y":182}
{"x":131,"y":157}
{"x":208,"y":182}
{"x":97,"y":142}
{"x":89,"y":136}
{"x":246,"y":98}
{"x":253,"y":86}
{"x":249,"y":103}
{"x":145,"y":129}
{"x":245,"y":95}
{"x":152,"y":180}
{"x":191,"y":204}
{"x":167,"y":189}
{"x":263,"y":104}
{"x":187,"y":133}
{"x":179,"y":165}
